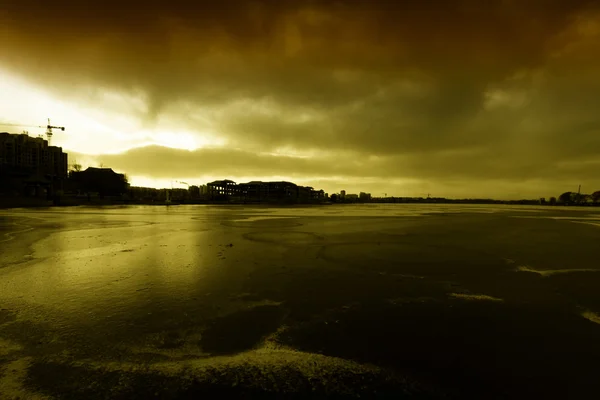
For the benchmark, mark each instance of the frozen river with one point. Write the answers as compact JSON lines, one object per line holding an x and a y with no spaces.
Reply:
{"x":419,"y":300}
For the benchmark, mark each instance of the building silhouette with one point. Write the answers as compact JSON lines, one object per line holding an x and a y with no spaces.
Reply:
{"x":351,"y":197}
{"x":221,"y":190}
{"x":259,"y":191}
{"x":194,"y":192}
{"x":29,"y":166}
{"x":103,"y":181}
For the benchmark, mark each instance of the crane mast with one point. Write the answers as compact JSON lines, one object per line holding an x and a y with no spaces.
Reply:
{"x":49,"y":128}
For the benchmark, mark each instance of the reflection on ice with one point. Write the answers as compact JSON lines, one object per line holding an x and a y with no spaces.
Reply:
{"x":549,"y":272}
{"x":252,"y":219}
{"x":480,"y":297}
{"x":591,"y":316}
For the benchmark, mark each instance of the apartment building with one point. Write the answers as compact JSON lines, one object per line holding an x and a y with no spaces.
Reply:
{"x":27,"y":160}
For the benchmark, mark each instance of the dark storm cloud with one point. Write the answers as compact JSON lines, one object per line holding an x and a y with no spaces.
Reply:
{"x":398,"y":118}
{"x":286,"y":50}
{"x":428,"y":85}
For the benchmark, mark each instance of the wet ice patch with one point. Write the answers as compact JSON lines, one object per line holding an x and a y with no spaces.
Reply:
{"x":7,"y":347}
{"x":548,"y":272}
{"x":587,"y":223}
{"x":591,"y":316}
{"x":243,"y":326}
{"x":590,"y":219}
{"x":284,"y":238}
{"x":223,"y":335}
{"x":272,"y":342}
{"x":12,"y":377}
{"x":270,"y":371}
{"x":260,"y":218}
{"x":474,"y":297}
{"x":409,"y":300}
{"x":13,"y":234}
{"x":175,"y":344}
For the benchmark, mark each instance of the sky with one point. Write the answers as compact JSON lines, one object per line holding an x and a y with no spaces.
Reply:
{"x":462,"y":98}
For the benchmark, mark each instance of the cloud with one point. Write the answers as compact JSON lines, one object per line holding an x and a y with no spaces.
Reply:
{"x":447,"y":173}
{"x":289,"y":51}
{"x":221,"y":161}
{"x":459,"y":90}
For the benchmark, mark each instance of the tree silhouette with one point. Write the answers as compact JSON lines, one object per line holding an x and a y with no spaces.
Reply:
{"x":75,"y":166}
{"x":565,"y":197}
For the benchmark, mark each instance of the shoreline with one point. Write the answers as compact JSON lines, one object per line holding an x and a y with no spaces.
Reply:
{"x":6,"y":203}
{"x":50,"y":203}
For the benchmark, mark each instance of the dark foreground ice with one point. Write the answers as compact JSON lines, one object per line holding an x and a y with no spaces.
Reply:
{"x":395,"y":301}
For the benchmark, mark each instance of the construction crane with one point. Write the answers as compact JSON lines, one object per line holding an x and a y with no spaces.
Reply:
{"x":48,"y":127}
{"x":49,"y":130}
{"x":185,"y":183}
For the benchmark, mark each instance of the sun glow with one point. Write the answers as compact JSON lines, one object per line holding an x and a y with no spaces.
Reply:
{"x":103,"y":122}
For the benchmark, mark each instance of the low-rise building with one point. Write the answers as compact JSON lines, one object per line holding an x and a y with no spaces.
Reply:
{"x":194,"y":192}
{"x":259,"y":191}
{"x":351,"y":197}
{"x":221,"y":190}
{"x":138,"y":193}
{"x":304,"y":193}
{"x":317,"y":194}
{"x":103,"y":181}
{"x":179,"y":194}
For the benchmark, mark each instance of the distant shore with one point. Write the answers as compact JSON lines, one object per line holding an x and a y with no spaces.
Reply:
{"x":28,"y":202}
{"x":24,"y":202}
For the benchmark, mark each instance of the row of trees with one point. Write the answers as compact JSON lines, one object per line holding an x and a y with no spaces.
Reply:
{"x":578,"y":198}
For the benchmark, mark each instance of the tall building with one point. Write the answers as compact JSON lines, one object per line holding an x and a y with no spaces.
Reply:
{"x":27,"y":161}
{"x":203,"y":190}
